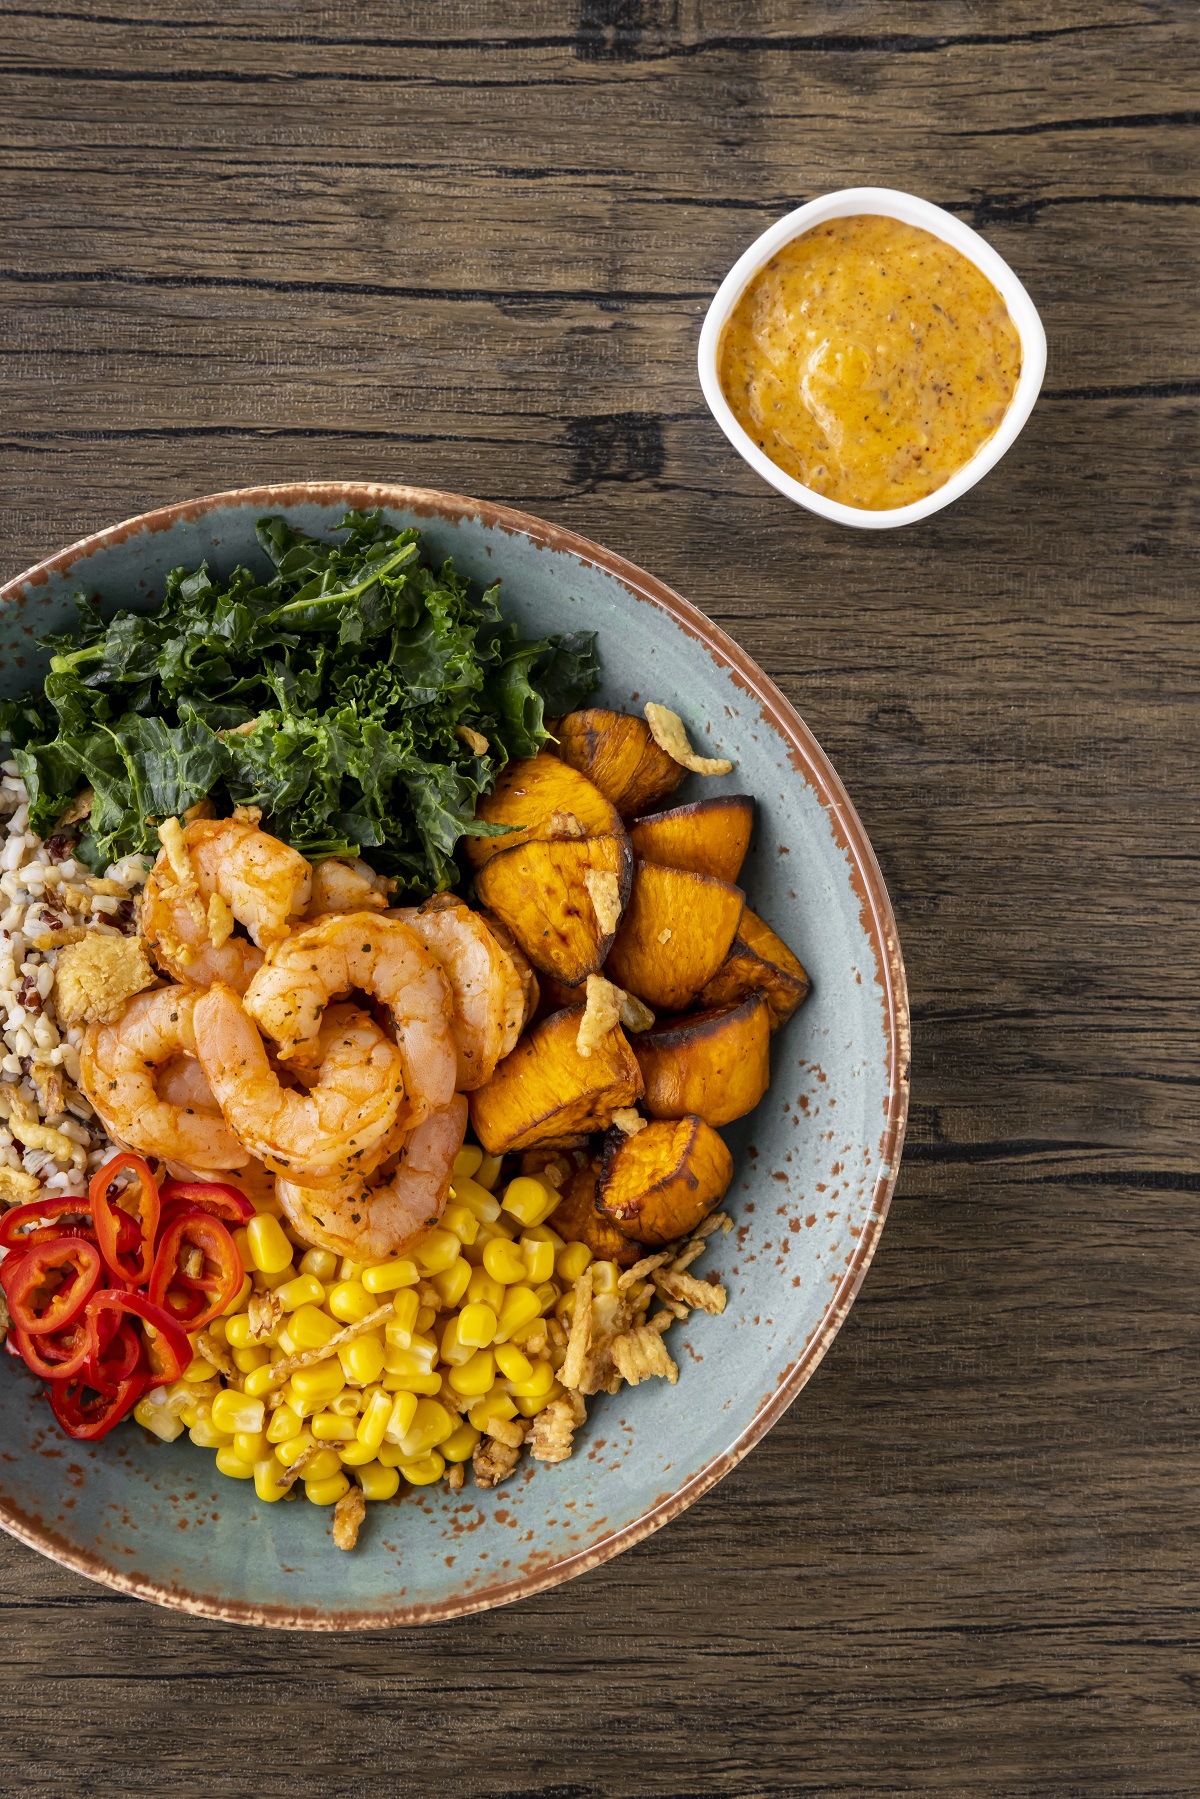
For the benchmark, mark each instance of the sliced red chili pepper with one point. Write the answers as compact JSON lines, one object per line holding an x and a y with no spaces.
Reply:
{"x":217,"y":1197}
{"x":196,"y":1299}
{"x":90,"y":1418}
{"x":107,"y":1217}
{"x":73,"y":1259}
{"x":125,"y":1355}
{"x":57,"y":1357}
{"x":171,"y":1347}
{"x":38,"y":1214}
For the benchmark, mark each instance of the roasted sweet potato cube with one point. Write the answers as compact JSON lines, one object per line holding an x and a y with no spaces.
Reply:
{"x":560,"y":900}
{"x":577,"y":1221}
{"x":710,"y":837}
{"x":543,"y":797}
{"x":546,"y":1092}
{"x":675,"y":934}
{"x":658,"y":1184}
{"x":556,"y":994}
{"x":617,"y":752}
{"x":758,"y":960}
{"x":715,"y":1064}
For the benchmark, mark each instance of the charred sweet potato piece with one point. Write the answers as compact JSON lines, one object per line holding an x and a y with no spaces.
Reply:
{"x":560,"y":900}
{"x":675,"y":934}
{"x":758,"y":960}
{"x":715,"y":1064}
{"x":543,"y":797}
{"x":710,"y":837}
{"x":617,"y":752}
{"x":546,"y":1092}
{"x":577,"y":1221}
{"x":659,"y":1184}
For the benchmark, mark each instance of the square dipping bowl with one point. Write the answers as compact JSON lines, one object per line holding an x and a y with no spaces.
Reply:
{"x":888,"y":203}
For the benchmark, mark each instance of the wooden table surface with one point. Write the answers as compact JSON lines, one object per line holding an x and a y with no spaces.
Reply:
{"x":469,"y":246}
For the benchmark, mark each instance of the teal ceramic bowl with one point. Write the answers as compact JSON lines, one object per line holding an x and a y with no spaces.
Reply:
{"x":816,"y":1162}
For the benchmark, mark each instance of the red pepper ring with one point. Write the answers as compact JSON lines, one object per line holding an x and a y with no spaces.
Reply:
{"x":87,"y":1420}
{"x":182,"y":1296}
{"x":170,"y":1343}
{"x":59,"y":1357}
{"x":36,"y":1266}
{"x":126,"y":1355}
{"x":217,"y":1197}
{"x":107,"y":1217}
{"x":41,"y":1214}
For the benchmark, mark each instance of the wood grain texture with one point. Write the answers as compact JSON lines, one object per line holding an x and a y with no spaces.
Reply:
{"x":469,"y":246}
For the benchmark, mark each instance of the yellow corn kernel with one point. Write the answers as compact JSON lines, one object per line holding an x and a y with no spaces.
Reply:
{"x":539,"y":1260}
{"x":386,"y":1277}
{"x":242,"y":1243}
{"x":388,"y":1454}
{"x":521,"y":1304}
{"x":231,"y":1464}
{"x":483,"y":1290}
{"x":413,"y":1383}
{"x":232,"y":1411}
{"x":399,"y":1329}
{"x":327,"y":1427}
{"x":356,"y":1454}
{"x":539,"y":1380}
{"x":377,"y":1416}
{"x":426,"y":1319}
{"x":310,"y":1329}
{"x":324,"y":1465}
{"x":544,"y":1233}
{"x":496,"y":1404}
{"x":350,"y":1271}
{"x":244,"y":1292}
{"x":570,"y":1262}
{"x":475,"y":1377}
{"x":237,"y":1332}
{"x":511,"y":1363}
{"x":266,"y":1480}
{"x":462,"y":1221}
{"x":564,"y":1306}
{"x":452,"y":1282}
{"x":500,"y":1227}
{"x":404,"y":1410}
{"x":203,"y":1434}
{"x":467,"y":1161}
{"x":216,"y":1330}
{"x":251,"y":1445}
{"x":197,"y":1370}
{"x":431,"y":1425}
{"x":504,"y":1262}
{"x":423,"y":1473}
{"x":529,"y":1200}
{"x":529,"y":1408}
{"x":460,"y":1444}
{"x":437,"y":1250}
{"x":301,"y":1290}
{"x":378,"y":1482}
{"x":159,"y":1419}
{"x":477,"y":1325}
{"x":247,"y":1360}
{"x":267,"y":1283}
{"x":285,"y":1424}
{"x":477,"y":1199}
{"x":452,"y":1349}
{"x":349,"y":1301}
{"x":327,"y":1491}
{"x":363,"y":1360}
{"x":346,"y":1404}
{"x":293,"y":1448}
{"x":322,"y":1264}
{"x":604,"y":1277}
{"x":269,"y":1249}
{"x":320,"y":1382}
{"x":488,"y":1171}
{"x":547,"y":1294}
{"x":418,"y":1358}
{"x":259,"y":1382}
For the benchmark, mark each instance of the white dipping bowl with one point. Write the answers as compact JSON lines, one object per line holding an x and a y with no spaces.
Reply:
{"x":889,"y":203}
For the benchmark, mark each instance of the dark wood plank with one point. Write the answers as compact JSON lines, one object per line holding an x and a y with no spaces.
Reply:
{"x":263,"y":241}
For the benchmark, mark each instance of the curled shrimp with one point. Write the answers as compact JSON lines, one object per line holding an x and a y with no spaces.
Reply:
{"x":214,"y":873}
{"x":485,"y":984}
{"x":327,"y":960}
{"x":327,"y":1134}
{"x":346,"y":887}
{"x":372,"y":1217}
{"x":118,"y":1066}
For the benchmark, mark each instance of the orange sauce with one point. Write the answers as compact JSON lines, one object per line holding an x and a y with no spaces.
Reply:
{"x":870,"y":361}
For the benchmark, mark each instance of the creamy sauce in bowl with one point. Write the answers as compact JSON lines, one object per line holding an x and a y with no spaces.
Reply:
{"x":870,"y":360}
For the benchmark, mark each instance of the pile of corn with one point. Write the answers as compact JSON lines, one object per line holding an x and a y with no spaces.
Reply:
{"x":428,"y":1360}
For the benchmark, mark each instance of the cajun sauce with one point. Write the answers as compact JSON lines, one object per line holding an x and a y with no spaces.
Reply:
{"x":870,"y":361}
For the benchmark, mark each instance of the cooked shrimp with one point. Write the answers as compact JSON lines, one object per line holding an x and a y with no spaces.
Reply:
{"x":213,"y":873}
{"x":118,"y":1064}
{"x":183,"y":1083}
{"x":484,"y":983}
{"x":327,"y":960}
{"x":524,"y":996}
{"x":346,"y":887}
{"x":328,"y":1133}
{"x":372,"y":1218}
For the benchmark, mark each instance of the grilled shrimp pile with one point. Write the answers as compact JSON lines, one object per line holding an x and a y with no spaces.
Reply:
{"x":309,"y":1036}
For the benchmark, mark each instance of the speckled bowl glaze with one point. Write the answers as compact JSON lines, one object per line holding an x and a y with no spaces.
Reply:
{"x":816,"y":1162}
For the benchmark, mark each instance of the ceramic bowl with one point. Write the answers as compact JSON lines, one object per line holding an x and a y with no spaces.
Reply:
{"x":815,"y":1163}
{"x":889,"y":203}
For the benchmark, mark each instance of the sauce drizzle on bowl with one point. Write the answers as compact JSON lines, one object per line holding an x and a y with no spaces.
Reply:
{"x":870,"y":360}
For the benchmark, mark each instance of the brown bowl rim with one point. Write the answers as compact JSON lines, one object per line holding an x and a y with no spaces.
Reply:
{"x":809,"y":759}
